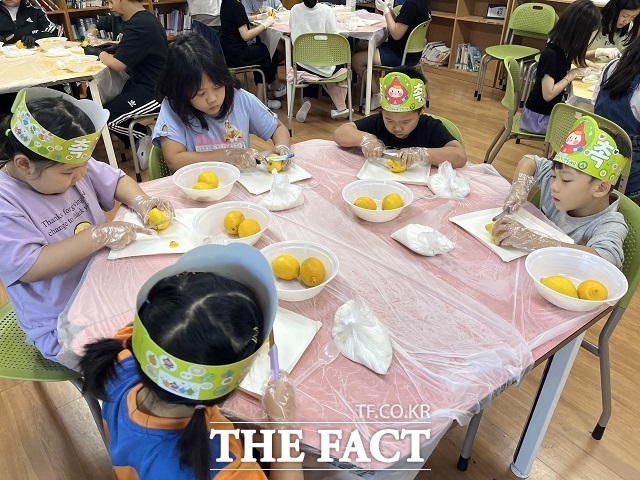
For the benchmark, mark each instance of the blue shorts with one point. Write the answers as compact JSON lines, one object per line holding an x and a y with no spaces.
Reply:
{"x":388,"y":57}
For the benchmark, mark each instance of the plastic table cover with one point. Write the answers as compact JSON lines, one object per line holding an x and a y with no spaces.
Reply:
{"x":463,"y":324}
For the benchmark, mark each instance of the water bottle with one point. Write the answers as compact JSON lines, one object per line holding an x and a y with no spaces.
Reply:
{"x":351,"y":5}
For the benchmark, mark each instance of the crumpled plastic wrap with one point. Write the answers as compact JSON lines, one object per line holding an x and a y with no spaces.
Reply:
{"x":423,"y":240}
{"x":282,"y":195}
{"x":361,"y":336}
{"x":447,"y":183}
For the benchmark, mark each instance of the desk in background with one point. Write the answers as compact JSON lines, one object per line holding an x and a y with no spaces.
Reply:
{"x":463,"y":325}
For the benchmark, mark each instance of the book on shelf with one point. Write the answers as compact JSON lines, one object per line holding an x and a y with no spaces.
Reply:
{"x":435,"y":54}
{"x":468,"y":57}
{"x":77,"y":4}
{"x":81,"y":25}
{"x":45,"y":5}
{"x":174,"y":21}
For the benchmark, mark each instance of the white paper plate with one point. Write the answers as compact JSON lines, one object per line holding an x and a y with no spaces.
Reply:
{"x":416,"y":175}
{"x":258,"y":180}
{"x":12,"y":51}
{"x":475,"y":222}
{"x":293,"y":334}
{"x":180,"y":231}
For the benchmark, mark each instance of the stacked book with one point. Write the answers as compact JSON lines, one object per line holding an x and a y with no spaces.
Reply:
{"x":174,"y":21}
{"x":468,"y":57}
{"x":81,"y":25}
{"x":435,"y":54}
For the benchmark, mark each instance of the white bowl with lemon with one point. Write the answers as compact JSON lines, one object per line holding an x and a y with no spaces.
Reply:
{"x":49,"y":42}
{"x":231,"y":222}
{"x":301,"y":269}
{"x":574,"y":279}
{"x":198,"y":183}
{"x":377,"y":200}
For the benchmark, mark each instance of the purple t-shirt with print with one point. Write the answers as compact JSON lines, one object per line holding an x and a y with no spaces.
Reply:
{"x":29,"y":221}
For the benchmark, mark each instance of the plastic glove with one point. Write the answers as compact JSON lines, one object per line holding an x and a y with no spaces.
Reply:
{"x":90,"y":50}
{"x":280,"y":150}
{"x":116,"y":235}
{"x":267,"y":22}
{"x":242,"y":158}
{"x":611,"y":52}
{"x":262,"y":16}
{"x":578,"y":73}
{"x":519,"y":192}
{"x":413,"y":156}
{"x":279,"y":399}
{"x":143,"y":204}
{"x":382,"y":6}
{"x":371,"y":146}
{"x":507,"y":232}
{"x":29,"y":41}
{"x":390,"y":4}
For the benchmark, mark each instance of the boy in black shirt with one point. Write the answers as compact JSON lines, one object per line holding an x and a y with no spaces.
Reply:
{"x":19,"y":21}
{"x":420,"y":138}
{"x":142,"y":53}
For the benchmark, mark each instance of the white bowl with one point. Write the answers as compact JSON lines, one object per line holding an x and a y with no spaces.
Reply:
{"x":50,"y":42}
{"x":80,"y":63}
{"x":187,"y":176}
{"x":376,"y":190}
{"x":295,"y":290}
{"x":210,"y":222}
{"x":577,"y":266}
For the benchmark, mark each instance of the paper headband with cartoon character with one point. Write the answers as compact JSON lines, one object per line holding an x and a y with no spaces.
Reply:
{"x":238,"y":262}
{"x":591,"y":150}
{"x":39,"y":140}
{"x":400,"y":93}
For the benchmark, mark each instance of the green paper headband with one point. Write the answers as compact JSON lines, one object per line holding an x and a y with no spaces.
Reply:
{"x":237,"y":261}
{"x":591,"y":150}
{"x":400,"y":93}
{"x":39,"y":140}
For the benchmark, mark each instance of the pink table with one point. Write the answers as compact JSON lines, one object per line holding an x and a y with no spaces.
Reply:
{"x":463,"y":325}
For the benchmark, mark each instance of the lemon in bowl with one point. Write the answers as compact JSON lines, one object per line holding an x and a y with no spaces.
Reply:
{"x":377,"y":200}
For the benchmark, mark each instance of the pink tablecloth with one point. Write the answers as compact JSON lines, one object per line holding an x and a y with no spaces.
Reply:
{"x":462,"y":324}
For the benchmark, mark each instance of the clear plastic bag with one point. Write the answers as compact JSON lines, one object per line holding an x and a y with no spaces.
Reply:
{"x":423,"y":240}
{"x":282,"y":195}
{"x":447,"y":183}
{"x":361,"y":336}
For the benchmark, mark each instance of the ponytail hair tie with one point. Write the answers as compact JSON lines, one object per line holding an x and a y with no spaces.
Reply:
{"x":200,"y":407}
{"x":6,"y":133}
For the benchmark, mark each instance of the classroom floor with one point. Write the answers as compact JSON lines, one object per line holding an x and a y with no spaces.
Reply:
{"x":47,"y":432}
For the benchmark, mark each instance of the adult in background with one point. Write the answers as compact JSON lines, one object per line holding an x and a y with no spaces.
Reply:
{"x":207,"y":12}
{"x":412,"y":13}
{"x":19,"y":21}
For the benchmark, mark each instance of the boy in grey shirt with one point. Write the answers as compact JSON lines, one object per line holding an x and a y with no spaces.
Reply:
{"x":575,"y":193}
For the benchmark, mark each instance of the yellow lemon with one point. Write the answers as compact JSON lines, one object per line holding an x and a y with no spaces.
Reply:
{"x":285,"y":267}
{"x":592,"y":290}
{"x":274,"y":165}
{"x":560,"y":284}
{"x":396,"y":167}
{"x":392,"y":201}
{"x":19,"y":44}
{"x":208,"y":177}
{"x":366,"y":202}
{"x":202,"y":186}
{"x":173,"y":244}
{"x":248,"y":227}
{"x":84,"y":43}
{"x":156,"y":215}
{"x":489,"y":227}
{"x":232,"y":221}
{"x":312,"y":272}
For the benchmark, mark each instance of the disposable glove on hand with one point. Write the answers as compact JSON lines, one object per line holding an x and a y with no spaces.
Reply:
{"x":116,"y":235}
{"x":279,"y":399}
{"x":610,"y":53}
{"x":242,"y":158}
{"x":371,"y":146}
{"x":89,"y":50}
{"x":382,"y":6}
{"x":519,"y":192}
{"x":29,"y":41}
{"x":267,"y":22}
{"x":507,"y":232}
{"x":413,"y":156}
{"x":280,"y":150}
{"x":143,"y":204}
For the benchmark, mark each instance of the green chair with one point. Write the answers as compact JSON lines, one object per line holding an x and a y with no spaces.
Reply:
{"x":321,"y":50}
{"x":528,"y":79}
{"x":396,"y":10}
{"x":20,"y":361}
{"x":147,"y":121}
{"x":530,"y":20}
{"x":157,"y":166}
{"x":415,"y":44}
{"x":511,"y":128}
{"x":562,"y":118}
{"x":451,"y":127}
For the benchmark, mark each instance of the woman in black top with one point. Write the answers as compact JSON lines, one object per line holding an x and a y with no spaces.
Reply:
{"x":412,"y":13}
{"x":236,"y":33}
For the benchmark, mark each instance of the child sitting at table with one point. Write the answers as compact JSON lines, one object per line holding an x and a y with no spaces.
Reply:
{"x":198,"y":327}
{"x":568,"y":42}
{"x":617,"y":97}
{"x":575,"y":194}
{"x":618,"y":30}
{"x":205,"y":115}
{"x":22,"y":22}
{"x":52,"y":197}
{"x":401,"y":124}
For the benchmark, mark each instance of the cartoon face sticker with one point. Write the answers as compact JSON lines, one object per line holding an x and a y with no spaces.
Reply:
{"x":575,"y":141}
{"x":167,"y":363}
{"x":396,"y":93}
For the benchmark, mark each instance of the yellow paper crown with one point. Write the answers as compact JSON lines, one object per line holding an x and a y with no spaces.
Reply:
{"x":39,"y":140}
{"x":237,"y":261}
